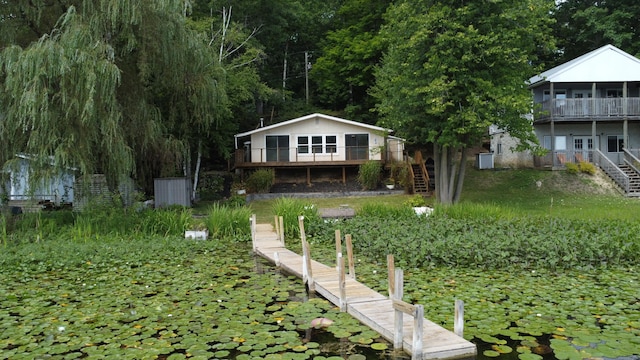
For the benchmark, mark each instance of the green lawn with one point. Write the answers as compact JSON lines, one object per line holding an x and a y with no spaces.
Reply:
{"x":561,"y":194}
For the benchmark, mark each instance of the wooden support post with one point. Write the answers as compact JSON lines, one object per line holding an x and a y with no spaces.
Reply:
{"x":276,"y":258}
{"x":281,"y":226}
{"x":352,"y":266}
{"x":418,"y":319}
{"x":390,"y":274}
{"x":344,"y":175}
{"x":307,"y":274}
{"x":338,"y":248}
{"x":342,"y":284}
{"x":458,"y":323}
{"x":252,"y":223}
{"x":276,"y":225}
{"x":398,"y":314}
{"x":309,"y":176}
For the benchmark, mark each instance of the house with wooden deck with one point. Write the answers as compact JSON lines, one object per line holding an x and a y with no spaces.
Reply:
{"x":316,"y":147}
{"x":588,"y":109}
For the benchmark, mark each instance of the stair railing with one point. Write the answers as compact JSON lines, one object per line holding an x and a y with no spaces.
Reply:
{"x":423,"y":168}
{"x":631,"y":160}
{"x":412,"y":175}
{"x":618,"y":176}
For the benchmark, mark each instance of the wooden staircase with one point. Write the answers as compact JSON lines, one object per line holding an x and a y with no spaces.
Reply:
{"x":421,"y":181}
{"x":634,"y":180}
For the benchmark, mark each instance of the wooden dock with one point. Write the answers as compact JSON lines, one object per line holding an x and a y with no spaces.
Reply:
{"x":368,"y":306}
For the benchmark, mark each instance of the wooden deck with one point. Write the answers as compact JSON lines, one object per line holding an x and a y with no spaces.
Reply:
{"x":368,"y":306}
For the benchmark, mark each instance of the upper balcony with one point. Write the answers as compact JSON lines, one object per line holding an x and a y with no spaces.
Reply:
{"x":588,"y":109}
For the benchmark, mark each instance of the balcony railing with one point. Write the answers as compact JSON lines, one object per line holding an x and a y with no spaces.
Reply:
{"x":292,"y":155}
{"x":589,"y":108}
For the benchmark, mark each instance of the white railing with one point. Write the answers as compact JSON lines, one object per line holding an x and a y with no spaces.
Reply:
{"x":588,"y":108}
{"x":612,"y":170}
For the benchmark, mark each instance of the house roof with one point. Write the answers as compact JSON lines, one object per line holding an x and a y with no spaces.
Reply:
{"x":313,"y":116}
{"x":605,"y":64}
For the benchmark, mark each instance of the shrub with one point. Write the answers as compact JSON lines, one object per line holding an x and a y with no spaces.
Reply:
{"x":416,"y":201}
{"x":572,"y":168}
{"x":225,"y":221}
{"x":377,"y":210}
{"x":369,"y":174}
{"x":587,"y":167}
{"x":260,"y":181}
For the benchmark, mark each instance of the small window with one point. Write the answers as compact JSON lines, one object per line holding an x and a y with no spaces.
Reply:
{"x":316,"y":144}
{"x":303,"y":145}
{"x":332,"y":145}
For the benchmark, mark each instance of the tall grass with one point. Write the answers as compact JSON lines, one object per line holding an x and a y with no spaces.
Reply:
{"x":290,"y":209}
{"x":229,"y":221}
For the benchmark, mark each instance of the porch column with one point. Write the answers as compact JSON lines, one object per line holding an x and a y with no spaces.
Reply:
{"x":553,"y":133}
{"x":625,"y":111}
{"x":625,"y":133}
{"x":593,"y":99}
{"x":309,"y":176}
{"x":596,"y":144}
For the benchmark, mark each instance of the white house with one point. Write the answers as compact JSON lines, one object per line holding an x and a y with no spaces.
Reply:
{"x":588,"y":109}
{"x":590,"y":104}
{"x":315,"y":141}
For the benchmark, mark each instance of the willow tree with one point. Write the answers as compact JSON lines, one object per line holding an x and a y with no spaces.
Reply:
{"x":453,"y":68}
{"x":115,"y":87}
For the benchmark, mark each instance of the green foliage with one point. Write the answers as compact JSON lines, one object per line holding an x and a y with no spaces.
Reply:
{"x":377,"y":210}
{"x":260,"y":181}
{"x":210,"y":186}
{"x":290,"y":209}
{"x":488,"y":237}
{"x":225,"y":221}
{"x":416,"y":200}
{"x":587,"y":167}
{"x":454,"y":68}
{"x":369,"y":174}
{"x":572,"y":168}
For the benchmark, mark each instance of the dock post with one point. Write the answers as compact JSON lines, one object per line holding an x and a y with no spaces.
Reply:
{"x":390,"y":274}
{"x":338,"y":249}
{"x":458,"y":323}
{"x":281,"y":220}
{"x":342,"y":284}
{"x":352,"y":266}
{"x":307,"y":273}
{"x":252,"y":223}
{"x":398,"y":323}
{"x":418,"y":320}
{"x":276,"y":225}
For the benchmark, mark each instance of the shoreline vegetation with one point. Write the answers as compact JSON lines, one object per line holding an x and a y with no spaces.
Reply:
{"x":544,"y":271}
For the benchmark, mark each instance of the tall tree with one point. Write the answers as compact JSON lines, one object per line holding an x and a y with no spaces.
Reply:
{"x":452,"y":69}
{"x":585,"y":25}
{"x":344,"y":72}
{"x":113,"y":86}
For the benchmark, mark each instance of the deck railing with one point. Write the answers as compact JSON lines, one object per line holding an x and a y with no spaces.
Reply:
{"x":294,"y":155}
{"x":589,"y":108}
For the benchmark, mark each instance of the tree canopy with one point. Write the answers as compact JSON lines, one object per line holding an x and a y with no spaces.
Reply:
{"x":115,"y":87}
{"x":454,"y":68}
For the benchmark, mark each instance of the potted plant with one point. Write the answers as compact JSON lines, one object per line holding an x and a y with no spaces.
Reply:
{"x":390,"y":183}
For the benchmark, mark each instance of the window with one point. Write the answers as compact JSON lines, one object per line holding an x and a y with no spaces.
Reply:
{"x":615,"y":143}
{"x":303,"y":145}
{"x":318,"y":144}
{"x":499,"y":149}
{"x":561,"y":142}
{"x":332,"y":144}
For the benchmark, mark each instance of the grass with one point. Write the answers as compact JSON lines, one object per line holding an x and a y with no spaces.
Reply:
{"x":510,"y":193}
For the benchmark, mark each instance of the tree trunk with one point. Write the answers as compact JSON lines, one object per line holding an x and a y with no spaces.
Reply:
{"x":449,"y":173}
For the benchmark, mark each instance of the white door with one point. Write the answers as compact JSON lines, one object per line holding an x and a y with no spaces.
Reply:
{"x":582,"y":147}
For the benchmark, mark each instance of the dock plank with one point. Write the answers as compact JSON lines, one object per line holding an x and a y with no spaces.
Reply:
{"x":363,"y":303}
